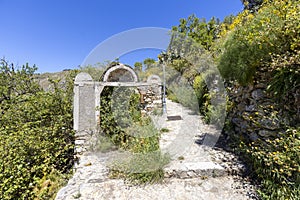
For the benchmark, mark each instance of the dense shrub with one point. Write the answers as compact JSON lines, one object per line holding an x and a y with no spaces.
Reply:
{"x":254,"y":38}
{"x":276,"y":163}
{"x":36,"y":137}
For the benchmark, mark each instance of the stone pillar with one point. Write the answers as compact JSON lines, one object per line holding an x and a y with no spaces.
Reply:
{"x":84,"y":103}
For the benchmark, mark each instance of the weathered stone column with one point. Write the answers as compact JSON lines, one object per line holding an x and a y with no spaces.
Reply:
{"x":84,"y":103}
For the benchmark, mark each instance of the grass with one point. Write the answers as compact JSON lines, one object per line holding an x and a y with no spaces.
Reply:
{"x":140,"y":168}
{"x":142,"y":161}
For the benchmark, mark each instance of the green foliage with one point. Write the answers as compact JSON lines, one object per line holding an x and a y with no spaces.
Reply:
{"x":119,"y":108}
{"x":49,"y":185}
{"x":120,"y":119}
{"x":140,"y":168}
{"x":138,"y":66}
{"x":276,"y":163}
{"x":213,"y":114}
{"x":286,"y":75}
{"x":192,"y":52}
{"x":36,"y":137}
{"x":164,"y":130}
{"x":121,"y":122}
{"x":199,"y":30}
{"x":284,"y":84}
{"x":149,"y":63}
{"x":150,"y":177}
{"x":264,"y":38}
{"x":180,"y":65}
{"x":201,"y":90}
{"x":185,"y":95}
{"x":102,"y":144}
{"x":267,"y":41}
{"x":14,"y":83}
{"x":190,"y":88}
{"x":145,"y":137}
{"x":274,"y":29}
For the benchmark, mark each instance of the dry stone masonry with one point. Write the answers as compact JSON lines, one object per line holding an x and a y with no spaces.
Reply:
{"x":255,"y":113}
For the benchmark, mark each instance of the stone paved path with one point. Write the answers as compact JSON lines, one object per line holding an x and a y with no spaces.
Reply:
{"x":189,"y":158}
{"x":195,"y":171}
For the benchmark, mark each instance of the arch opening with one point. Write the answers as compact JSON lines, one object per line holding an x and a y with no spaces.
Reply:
{"x":120,"y":73}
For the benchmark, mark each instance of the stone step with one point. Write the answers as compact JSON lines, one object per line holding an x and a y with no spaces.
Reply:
{"x":185,"y":170}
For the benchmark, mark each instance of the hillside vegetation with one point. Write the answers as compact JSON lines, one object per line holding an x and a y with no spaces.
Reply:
{"x":36,"y":134}
{"x":257,"y":53}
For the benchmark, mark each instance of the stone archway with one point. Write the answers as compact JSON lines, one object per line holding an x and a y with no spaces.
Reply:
{"x":117,"y":95}
{"x":87,"y":97}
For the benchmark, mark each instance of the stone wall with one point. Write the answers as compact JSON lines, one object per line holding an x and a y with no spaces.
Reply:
{"x":151,"y":99}
{"x":256,"y":114}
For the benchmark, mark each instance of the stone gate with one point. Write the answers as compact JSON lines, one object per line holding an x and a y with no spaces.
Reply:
{"x":87,"y":96}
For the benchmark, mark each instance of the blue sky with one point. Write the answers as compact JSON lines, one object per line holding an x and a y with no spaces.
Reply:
{"x":60,"y":34}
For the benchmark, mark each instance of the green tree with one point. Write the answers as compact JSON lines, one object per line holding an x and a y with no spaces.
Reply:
{"x":201,"y":31}
{"x":138,"y":66}
{"x":36,"y":136}
{"x":14,"y":83}
{"x":149,"y":63}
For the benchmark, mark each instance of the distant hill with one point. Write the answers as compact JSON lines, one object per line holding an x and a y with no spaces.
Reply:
{"x":42,"y":79}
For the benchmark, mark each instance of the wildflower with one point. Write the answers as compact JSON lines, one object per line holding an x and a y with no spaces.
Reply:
{"x":281,"y":170}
